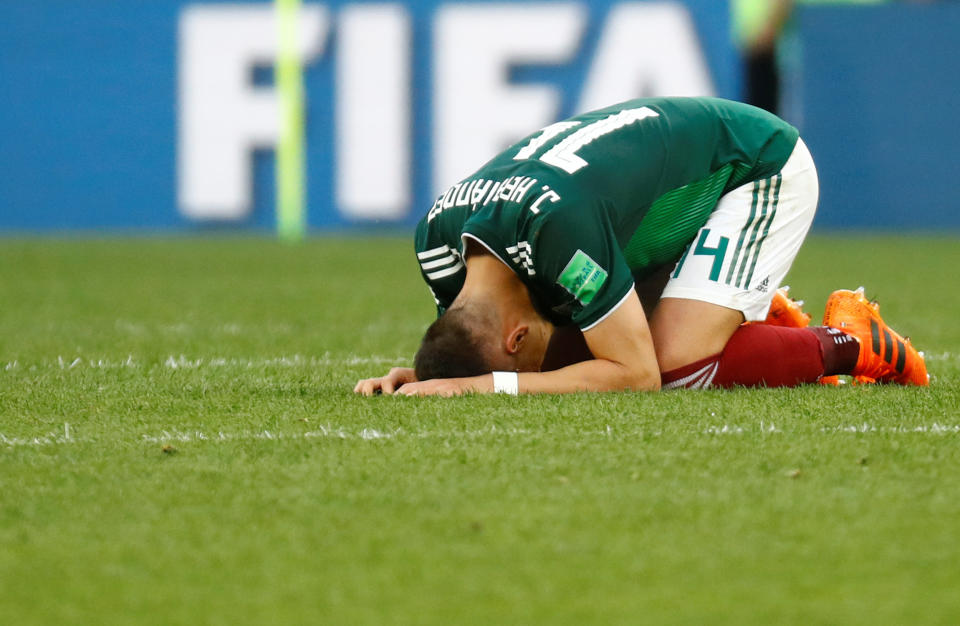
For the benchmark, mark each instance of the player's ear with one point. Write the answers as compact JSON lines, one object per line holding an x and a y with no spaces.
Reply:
{"x":516,"y":337}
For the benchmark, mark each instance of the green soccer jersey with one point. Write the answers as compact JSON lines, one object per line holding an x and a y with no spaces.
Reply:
{"x":581,"y":207}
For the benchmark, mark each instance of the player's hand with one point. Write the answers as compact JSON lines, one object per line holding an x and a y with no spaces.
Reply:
{"x":448,"y":387}
{"x":388,"y":384}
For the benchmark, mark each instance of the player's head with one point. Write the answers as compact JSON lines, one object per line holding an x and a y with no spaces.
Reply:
{"x":473,"y":339}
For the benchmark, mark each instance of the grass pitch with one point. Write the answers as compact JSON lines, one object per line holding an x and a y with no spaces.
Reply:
{"x":179,"y":445}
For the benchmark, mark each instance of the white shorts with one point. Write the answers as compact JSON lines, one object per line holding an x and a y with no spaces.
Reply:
{"x":741,"y":255}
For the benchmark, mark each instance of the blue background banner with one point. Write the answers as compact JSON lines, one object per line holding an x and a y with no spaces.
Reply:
{"x":90,"y":117}
{"x":89,"y":123}
{"x":880,"y":93}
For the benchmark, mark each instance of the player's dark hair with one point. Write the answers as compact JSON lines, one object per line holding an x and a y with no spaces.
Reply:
{"x":452,"y":347}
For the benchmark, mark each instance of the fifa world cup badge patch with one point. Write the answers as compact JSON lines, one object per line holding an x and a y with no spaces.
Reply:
{"x":582,"y":277}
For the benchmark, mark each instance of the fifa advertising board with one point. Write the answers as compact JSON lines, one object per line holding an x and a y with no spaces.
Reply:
{"x":166,"y":115}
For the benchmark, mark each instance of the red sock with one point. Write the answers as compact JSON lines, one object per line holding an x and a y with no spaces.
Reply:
{"x":760,"y":355}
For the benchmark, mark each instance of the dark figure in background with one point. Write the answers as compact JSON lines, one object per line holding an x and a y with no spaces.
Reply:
{"x":757,"y":27}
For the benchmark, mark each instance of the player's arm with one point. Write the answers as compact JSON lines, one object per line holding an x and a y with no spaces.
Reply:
{"x":580,"y":254}
{"x":567,"y":346}
{"x":624,"y":359}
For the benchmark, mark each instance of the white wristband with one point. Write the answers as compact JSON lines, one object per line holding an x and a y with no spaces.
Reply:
{"x":506,"y":382}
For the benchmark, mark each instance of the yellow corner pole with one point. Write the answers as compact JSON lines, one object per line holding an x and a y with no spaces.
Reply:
{"x":291,"y":162}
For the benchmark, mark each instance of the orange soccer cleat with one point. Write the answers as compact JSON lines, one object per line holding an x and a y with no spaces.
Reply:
{"x":885,"y":356}
{"x":786,"y":312}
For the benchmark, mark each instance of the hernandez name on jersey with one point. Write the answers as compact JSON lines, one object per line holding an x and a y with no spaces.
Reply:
{"x":580,"y":208}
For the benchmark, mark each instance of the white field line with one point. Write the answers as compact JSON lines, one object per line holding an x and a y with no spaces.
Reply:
{"x":320,"y":432}
{"x":180,"y":361}
{"x":168,"y":436}
{"x":230,"y":328}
